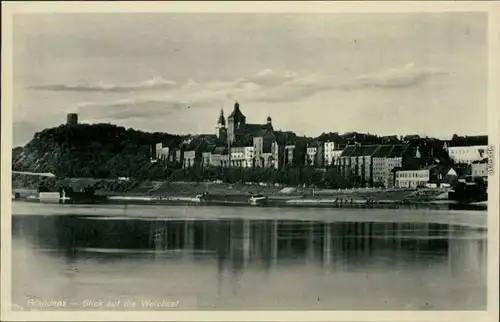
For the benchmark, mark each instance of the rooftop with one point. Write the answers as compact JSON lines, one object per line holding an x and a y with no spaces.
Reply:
{"x":285,"y":138}
{"x":348,"y":151}
{"x":384,"y":151}
{"x":220,"y":150}
{"x":253,"y":128}
{"x":365,"y":150}
{"x":398,"y":150}
{"x":209,"y":148}
{"x":236,"y":113}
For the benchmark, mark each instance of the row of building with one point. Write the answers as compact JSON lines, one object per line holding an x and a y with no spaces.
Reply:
{"x":241,"y":144}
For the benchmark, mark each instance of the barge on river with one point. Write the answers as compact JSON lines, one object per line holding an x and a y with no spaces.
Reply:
{"x":65,"y":195}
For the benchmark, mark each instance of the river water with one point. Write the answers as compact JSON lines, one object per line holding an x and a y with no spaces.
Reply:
{"x":188,"y":258}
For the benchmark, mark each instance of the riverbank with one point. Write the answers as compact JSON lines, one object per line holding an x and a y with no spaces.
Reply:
{"x":108,"y":187}
{"x":224,"y":194}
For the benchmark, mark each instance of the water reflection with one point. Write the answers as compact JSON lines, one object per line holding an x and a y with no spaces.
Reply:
{"x":359,"y":265}
{"x":244,"y":240}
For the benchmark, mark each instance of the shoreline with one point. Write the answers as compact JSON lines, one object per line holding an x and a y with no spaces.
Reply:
{"x":285,"y":203}
{"x":238,"y":195}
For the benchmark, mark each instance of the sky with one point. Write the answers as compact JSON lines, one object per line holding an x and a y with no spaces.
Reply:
{"x":384,"y":73}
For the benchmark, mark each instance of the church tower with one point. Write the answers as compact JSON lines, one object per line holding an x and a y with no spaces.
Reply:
{"x":269,"y":122}
{"x":236,"y":123}
{"x":220,"y":128}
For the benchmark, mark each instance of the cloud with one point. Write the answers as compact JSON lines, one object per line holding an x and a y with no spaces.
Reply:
{"x":144,"y":108}
{"x":300,"y":87}
{"x":156,"y":83}
{"x":266,"y":86}
{"x":268,"y":77}
{"x":290,"y":86}
{"x":407,"y":76}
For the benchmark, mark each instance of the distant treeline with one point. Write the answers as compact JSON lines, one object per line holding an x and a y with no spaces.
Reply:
{"x":367,"y":139}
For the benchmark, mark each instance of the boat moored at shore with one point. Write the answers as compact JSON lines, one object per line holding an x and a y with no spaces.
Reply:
{"x":258,"y":200}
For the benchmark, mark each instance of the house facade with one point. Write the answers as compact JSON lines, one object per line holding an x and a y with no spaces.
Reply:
{"x":434,"y":174}
{"x":467,"y":154}
{"x":179,"y":155}
{"x":205,"y":158}
{"x":237,"y":156}
{"x":356,"y":160}
{"x":189,"y":159}
{"x":196,"y":151}
{"x":386,"y":159}
{"x":289,"y":154}
{"x":249,"y":155}
{"x":335,"y":158}
{"x":268,"y":160}
{"x":258,"y":150}
{"x":162,"y":152}
{"x":219,"y":157}
{"x":331,"y":153}
{"x":262,"y":142}
{"x":480,"y":169}
{"x":412,"y":178}
{"x":275,"y":157}
{"x":373,"y":164}
{"x":320,"y":157}
{"x":311,"y":155}
{"x":216,"y":157}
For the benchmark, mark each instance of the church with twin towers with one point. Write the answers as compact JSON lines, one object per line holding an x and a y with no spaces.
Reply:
{"x":236,"y":130}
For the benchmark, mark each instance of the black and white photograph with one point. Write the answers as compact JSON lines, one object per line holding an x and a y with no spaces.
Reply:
{"x":252,"y":161}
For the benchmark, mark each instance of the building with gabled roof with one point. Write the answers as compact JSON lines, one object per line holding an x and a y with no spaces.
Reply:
{"x":373,"y":164}
{"x":252,"y":129}
{"x":399,"y":150}
{"x":194,"y":149}
{"x":467,"y":154}
{"x":311,"y":157}
{"x":238,"y":128}
{"x":383,"y":151}
{"x":387,"y":158}
{"x":356,"y":161}
{"x":206,"y":154}
{"x":480,"y":169}
{"x":237,"y":154}
{"x":348,"y":150}
{"x":283,"y":149}
{"x":421,"y":176}
{"x":220,"y":156}
{"x":332,"y":153}
{"x":365,"y":150}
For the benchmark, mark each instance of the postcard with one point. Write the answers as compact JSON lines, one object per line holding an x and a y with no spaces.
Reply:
{"x":250,"y":161}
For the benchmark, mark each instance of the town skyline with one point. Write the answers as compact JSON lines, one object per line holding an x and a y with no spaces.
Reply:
{"x":384,"y":74}
{"x":398,"y":135}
